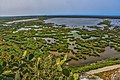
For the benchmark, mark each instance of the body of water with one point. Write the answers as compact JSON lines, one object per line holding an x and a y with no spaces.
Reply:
{"x":17,"y":21}
{"x":108,"y":53}
{"x":80,"y":22}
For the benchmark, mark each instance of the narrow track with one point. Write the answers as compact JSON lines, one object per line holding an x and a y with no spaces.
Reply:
{"x":108,"y":68}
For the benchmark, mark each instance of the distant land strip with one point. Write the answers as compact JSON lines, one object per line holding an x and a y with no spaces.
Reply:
{"x":65,"y":16}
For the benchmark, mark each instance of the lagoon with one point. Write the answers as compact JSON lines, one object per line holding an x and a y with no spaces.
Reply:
{"x":80,"y":22}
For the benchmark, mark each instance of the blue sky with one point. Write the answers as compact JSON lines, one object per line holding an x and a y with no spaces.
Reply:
{"x":60,"y":7}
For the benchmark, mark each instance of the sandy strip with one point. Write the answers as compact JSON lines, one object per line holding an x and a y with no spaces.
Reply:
{"x":104,"y":69}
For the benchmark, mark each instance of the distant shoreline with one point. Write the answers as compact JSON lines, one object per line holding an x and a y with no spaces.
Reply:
{"x":85,"y":16}
{"x":65,"y":16}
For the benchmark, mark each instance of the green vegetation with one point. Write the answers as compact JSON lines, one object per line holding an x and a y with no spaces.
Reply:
{"x":106,"y":22}
{"x":31,"y":67}
{"x":27,"y":49}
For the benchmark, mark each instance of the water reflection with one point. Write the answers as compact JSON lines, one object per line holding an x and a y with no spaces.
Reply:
{"x":109,"y":53}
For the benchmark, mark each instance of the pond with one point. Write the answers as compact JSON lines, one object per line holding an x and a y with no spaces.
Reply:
{"x":79,"y":22}
{"x":108,"y":53}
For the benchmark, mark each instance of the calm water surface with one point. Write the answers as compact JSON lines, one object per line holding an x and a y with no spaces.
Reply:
{"x":79,"y":22}
{"x":109,"y":53}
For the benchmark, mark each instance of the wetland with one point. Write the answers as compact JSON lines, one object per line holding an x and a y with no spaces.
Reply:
{"x":88,"y":43}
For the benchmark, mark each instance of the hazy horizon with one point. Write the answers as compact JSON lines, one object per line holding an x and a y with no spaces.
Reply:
{"x":59,"y":7}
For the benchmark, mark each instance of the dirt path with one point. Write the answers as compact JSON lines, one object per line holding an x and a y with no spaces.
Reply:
{"x":108,"y":68}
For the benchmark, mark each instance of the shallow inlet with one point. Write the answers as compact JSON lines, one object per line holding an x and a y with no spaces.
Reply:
{"x":108,"y":53}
